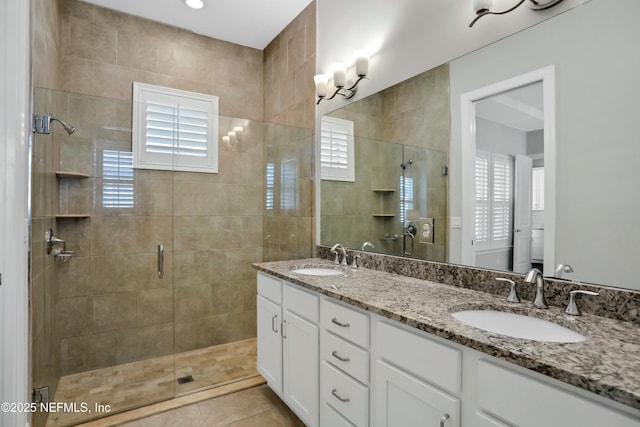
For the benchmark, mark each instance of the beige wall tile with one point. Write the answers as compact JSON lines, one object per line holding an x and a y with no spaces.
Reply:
{"x":154,"y":306}
{"x":115,"y":311}
{"x":144,"y":343}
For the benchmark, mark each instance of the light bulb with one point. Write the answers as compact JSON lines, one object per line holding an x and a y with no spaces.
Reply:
{"x":195,"y":4}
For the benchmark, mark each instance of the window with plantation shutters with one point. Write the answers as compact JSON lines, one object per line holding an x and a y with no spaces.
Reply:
{"x":494,"y":200}
{"x":117,"y":179}
{"x":406,"y":197}
{"x":336,"y":149}
{"x":174,"y":129}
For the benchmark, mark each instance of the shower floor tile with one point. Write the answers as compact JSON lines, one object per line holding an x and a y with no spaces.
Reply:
{"x":140,"y":383}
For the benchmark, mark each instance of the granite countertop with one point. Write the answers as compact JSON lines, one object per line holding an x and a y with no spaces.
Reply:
{"x":607,"y":363}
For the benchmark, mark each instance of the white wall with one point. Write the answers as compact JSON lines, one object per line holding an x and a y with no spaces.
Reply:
{"x":594,"y":48}
{"x":14,"y":133}
{"x":497,"y":138}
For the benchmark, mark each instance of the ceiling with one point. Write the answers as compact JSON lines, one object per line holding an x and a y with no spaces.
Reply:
{"x":520,"y":108}
{"x":253,"y":23}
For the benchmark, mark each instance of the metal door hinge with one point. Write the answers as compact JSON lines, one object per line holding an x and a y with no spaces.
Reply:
{"x":41,"y":395}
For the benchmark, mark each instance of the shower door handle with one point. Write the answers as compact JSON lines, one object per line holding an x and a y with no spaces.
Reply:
{"x":160,"y":261}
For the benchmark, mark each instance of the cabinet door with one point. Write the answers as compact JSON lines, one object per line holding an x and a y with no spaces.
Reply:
{"x":300,"y":355}
{"x":269,"y":362}
{"x":403,"y":400}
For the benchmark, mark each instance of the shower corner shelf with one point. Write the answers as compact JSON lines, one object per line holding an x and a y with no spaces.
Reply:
{"x":72,"y":216}
{"x":383,"y":190}
{"x":71,"y":175}
{"x":383,"y":215}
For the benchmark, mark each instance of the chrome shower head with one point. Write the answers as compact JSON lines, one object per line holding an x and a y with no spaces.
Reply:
{"x":67,"y":127}
{"x":41,"y":124}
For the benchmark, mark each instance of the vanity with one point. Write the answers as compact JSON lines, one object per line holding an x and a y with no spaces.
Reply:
{"x":370,"y":348}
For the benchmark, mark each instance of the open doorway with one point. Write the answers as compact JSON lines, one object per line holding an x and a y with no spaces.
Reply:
{"x":509,"y":173}
{"x":509,"y":147}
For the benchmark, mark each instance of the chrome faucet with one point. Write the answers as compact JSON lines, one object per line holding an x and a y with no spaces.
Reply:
{"x":535,"y":276}
{"x":562,"y":268}
{"x":366,"y":245}
{"x":334,"y":250}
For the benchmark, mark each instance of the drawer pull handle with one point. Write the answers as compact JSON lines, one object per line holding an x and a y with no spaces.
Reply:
{"x":337,"y":396}
{"x":444,"y":419}
{"x":337,"y":356}
{"x":342,"y":325}
{"x":274,"y":323}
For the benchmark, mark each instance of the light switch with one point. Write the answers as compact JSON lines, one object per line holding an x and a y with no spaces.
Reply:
{"x":455,"y":221}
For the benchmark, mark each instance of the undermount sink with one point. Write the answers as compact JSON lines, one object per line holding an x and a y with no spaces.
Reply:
{"x":318,"y":271}
{"x":517,"y":326}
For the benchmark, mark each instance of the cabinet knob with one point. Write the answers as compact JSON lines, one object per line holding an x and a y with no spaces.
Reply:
{"x":443,"y":419}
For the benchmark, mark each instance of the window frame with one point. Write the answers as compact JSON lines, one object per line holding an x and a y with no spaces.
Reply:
{"x":144,"y":94}
{"x":345,"y":127}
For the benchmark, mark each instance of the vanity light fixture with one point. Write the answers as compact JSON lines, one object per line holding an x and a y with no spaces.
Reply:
{"x":194,"y":4}
{"x":483,"y":7}
{"x":342,"y":86}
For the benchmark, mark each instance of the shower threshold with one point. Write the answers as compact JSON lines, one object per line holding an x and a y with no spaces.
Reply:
{"x":136,"y":384}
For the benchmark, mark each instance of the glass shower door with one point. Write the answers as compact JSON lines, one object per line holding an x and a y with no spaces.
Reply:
{"x":103,"y":317}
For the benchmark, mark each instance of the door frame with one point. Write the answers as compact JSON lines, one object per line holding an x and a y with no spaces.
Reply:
{"x":15,"y":132}
{"x":546,"y":76}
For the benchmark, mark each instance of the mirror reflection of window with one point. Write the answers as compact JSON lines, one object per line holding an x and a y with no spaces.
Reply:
{"x":537,"y":192}
{"x":288,"y":185}
{"x":117,"y":179}
{"x":406,"y":197}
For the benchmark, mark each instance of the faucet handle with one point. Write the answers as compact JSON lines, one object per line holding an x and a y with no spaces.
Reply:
{"x":336,"y":260}
{"x":572,"y":307}
{"x":354,"y":263}
{"x":513,"y":295}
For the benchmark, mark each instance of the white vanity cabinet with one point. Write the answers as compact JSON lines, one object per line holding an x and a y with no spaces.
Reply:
{"x":288,"y":345}
{"x":527,"y":400}
{"x":344,"y":370}
{"x":416,"y":379}
{"x":336,"y":365}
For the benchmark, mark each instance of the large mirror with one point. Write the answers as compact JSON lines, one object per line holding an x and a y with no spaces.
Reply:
{"x":411,"y":168}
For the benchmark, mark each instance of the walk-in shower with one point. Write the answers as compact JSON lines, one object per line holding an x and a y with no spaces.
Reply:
{"x":107,"y":328}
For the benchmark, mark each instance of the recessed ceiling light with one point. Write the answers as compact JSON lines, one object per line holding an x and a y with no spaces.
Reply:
{"x":195,"y":4}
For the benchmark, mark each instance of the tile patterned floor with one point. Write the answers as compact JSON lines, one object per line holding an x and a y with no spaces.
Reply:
{"x":135,"y":384}
{"x":254,"y":407}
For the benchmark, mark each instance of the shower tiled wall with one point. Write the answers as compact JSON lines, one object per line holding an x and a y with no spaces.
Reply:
{"x":289,"y":99}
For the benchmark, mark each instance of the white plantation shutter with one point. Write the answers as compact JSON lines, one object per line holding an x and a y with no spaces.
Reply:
{"x":482,"y":200}
{"x":494,"y":199}
{"x":117,"y":179}
{"x":174,"y":130}
{"x":271,"y":179}
{"x":336,"y":149}
{"x":501,"y":211}
{"x":406,"y":197}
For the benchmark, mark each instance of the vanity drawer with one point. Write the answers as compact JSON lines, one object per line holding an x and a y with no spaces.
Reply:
{"x":433,"y":362}
{"x":345,"y":356}
{"x":300,"y":302}
{"x":329,"y":417}
{"x":270,"y":288}
{"x":348,"y":397}
{"x":346,"y":322}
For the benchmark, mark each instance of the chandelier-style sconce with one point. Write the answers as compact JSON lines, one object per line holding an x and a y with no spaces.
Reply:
{"x":483,"y":7}
{"x":343,"y":86}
